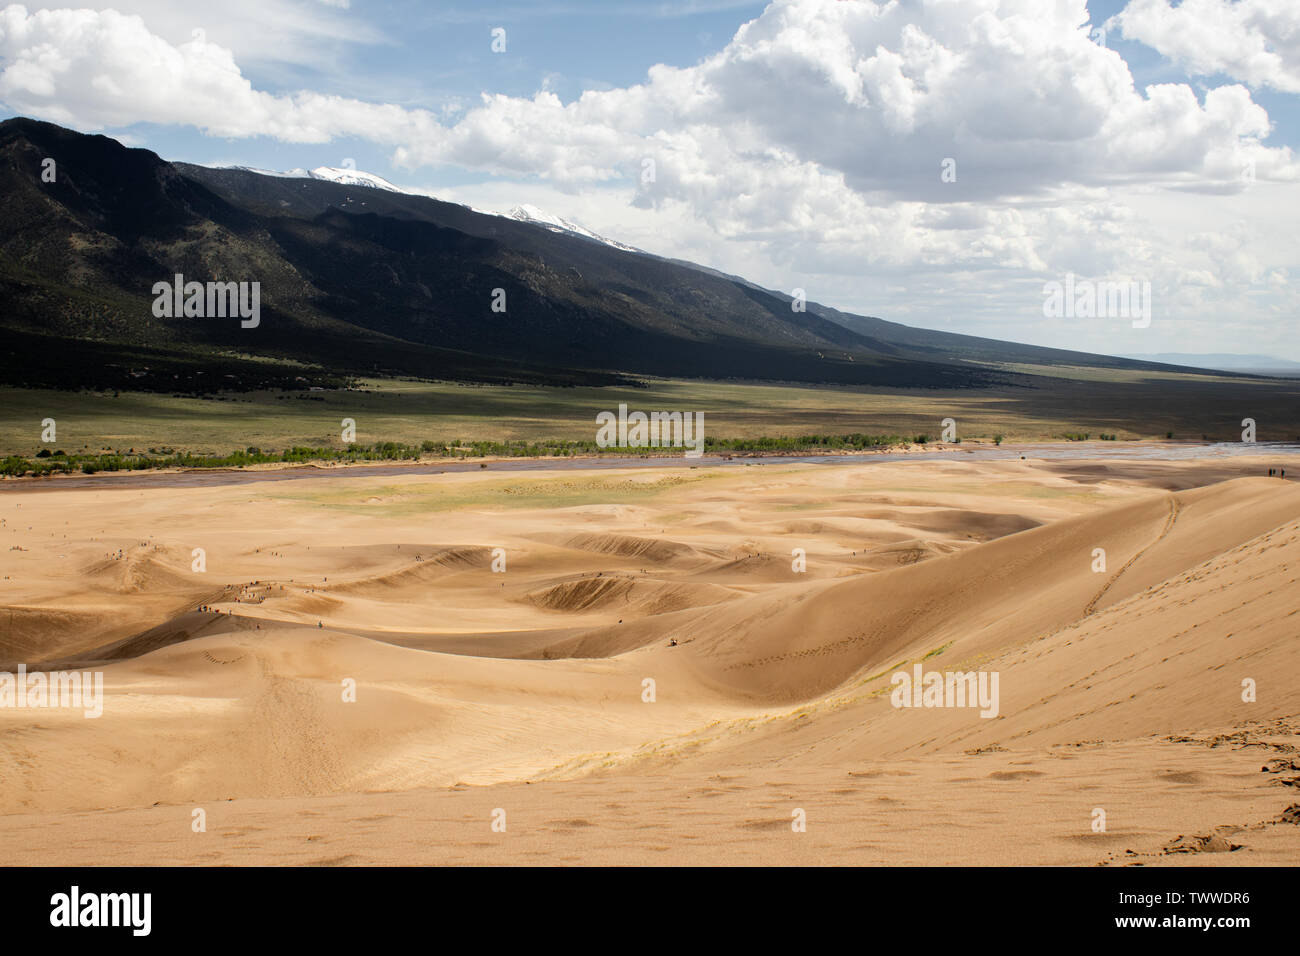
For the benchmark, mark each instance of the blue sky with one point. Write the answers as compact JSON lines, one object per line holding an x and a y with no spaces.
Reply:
{"x":797,"y":143}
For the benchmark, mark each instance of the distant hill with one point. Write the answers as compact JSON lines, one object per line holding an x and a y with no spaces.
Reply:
{"x":358,"y":278}
{"x":1255,"y":364}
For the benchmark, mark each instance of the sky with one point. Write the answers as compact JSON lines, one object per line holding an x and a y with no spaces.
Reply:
{"x":934,"y":162}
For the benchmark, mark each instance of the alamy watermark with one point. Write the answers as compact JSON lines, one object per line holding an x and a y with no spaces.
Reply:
{"x":946,"y":689}
{"x":655,"y":430}
{"x":212,"y":300}
{"x":1085,"y":299}
{"x":84,"y":689}
{"x":130,"y":910}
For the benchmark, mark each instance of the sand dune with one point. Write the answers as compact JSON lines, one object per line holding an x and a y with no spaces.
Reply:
{"x":425,"y":565}
{"x":777,"y":649}
{"x":630,"y":546}
{"x":660,"y":671}
{"x":628,"y":593}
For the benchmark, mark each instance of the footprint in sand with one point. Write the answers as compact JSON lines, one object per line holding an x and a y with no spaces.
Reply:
{"x":211,"y":659}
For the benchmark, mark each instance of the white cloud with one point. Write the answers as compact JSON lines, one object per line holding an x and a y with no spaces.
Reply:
{"x":101,"y":69}
{"x":305,"y":33}
{"x":865,"y":101}
{"x":848,"y":97}
{"x":1255,"y":41}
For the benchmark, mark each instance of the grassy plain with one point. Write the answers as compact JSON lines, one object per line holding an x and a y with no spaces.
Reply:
{"x":1052,"y":404}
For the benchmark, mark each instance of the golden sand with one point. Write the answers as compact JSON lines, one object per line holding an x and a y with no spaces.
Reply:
{"x":650,"y":679}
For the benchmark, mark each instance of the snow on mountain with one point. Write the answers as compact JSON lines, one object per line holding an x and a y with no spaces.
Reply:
{"x":287,"y":174}
{"x":347,"y":176}
{"x":353,"y":177}
{"x":344,"y":176}
{"x":531,"y":214}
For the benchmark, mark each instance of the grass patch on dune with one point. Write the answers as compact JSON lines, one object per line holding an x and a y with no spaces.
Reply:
{"x":892,"y":670}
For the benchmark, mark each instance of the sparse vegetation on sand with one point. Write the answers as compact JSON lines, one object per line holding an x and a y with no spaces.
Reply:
{"x":46,"y":463}
{"x":738,"y":416}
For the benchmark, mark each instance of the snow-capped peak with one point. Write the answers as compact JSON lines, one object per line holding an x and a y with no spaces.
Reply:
{"x":343,"y":175}
{"x":288,"y":174}
{"x":347,"y":176}
{"x":531,"y":214}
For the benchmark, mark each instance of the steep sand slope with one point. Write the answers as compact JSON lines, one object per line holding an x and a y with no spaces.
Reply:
{"x":1163,"y":663}
{"x":788,"y":648}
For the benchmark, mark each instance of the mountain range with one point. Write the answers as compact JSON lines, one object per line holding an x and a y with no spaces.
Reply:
{"x":358,"y":277}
